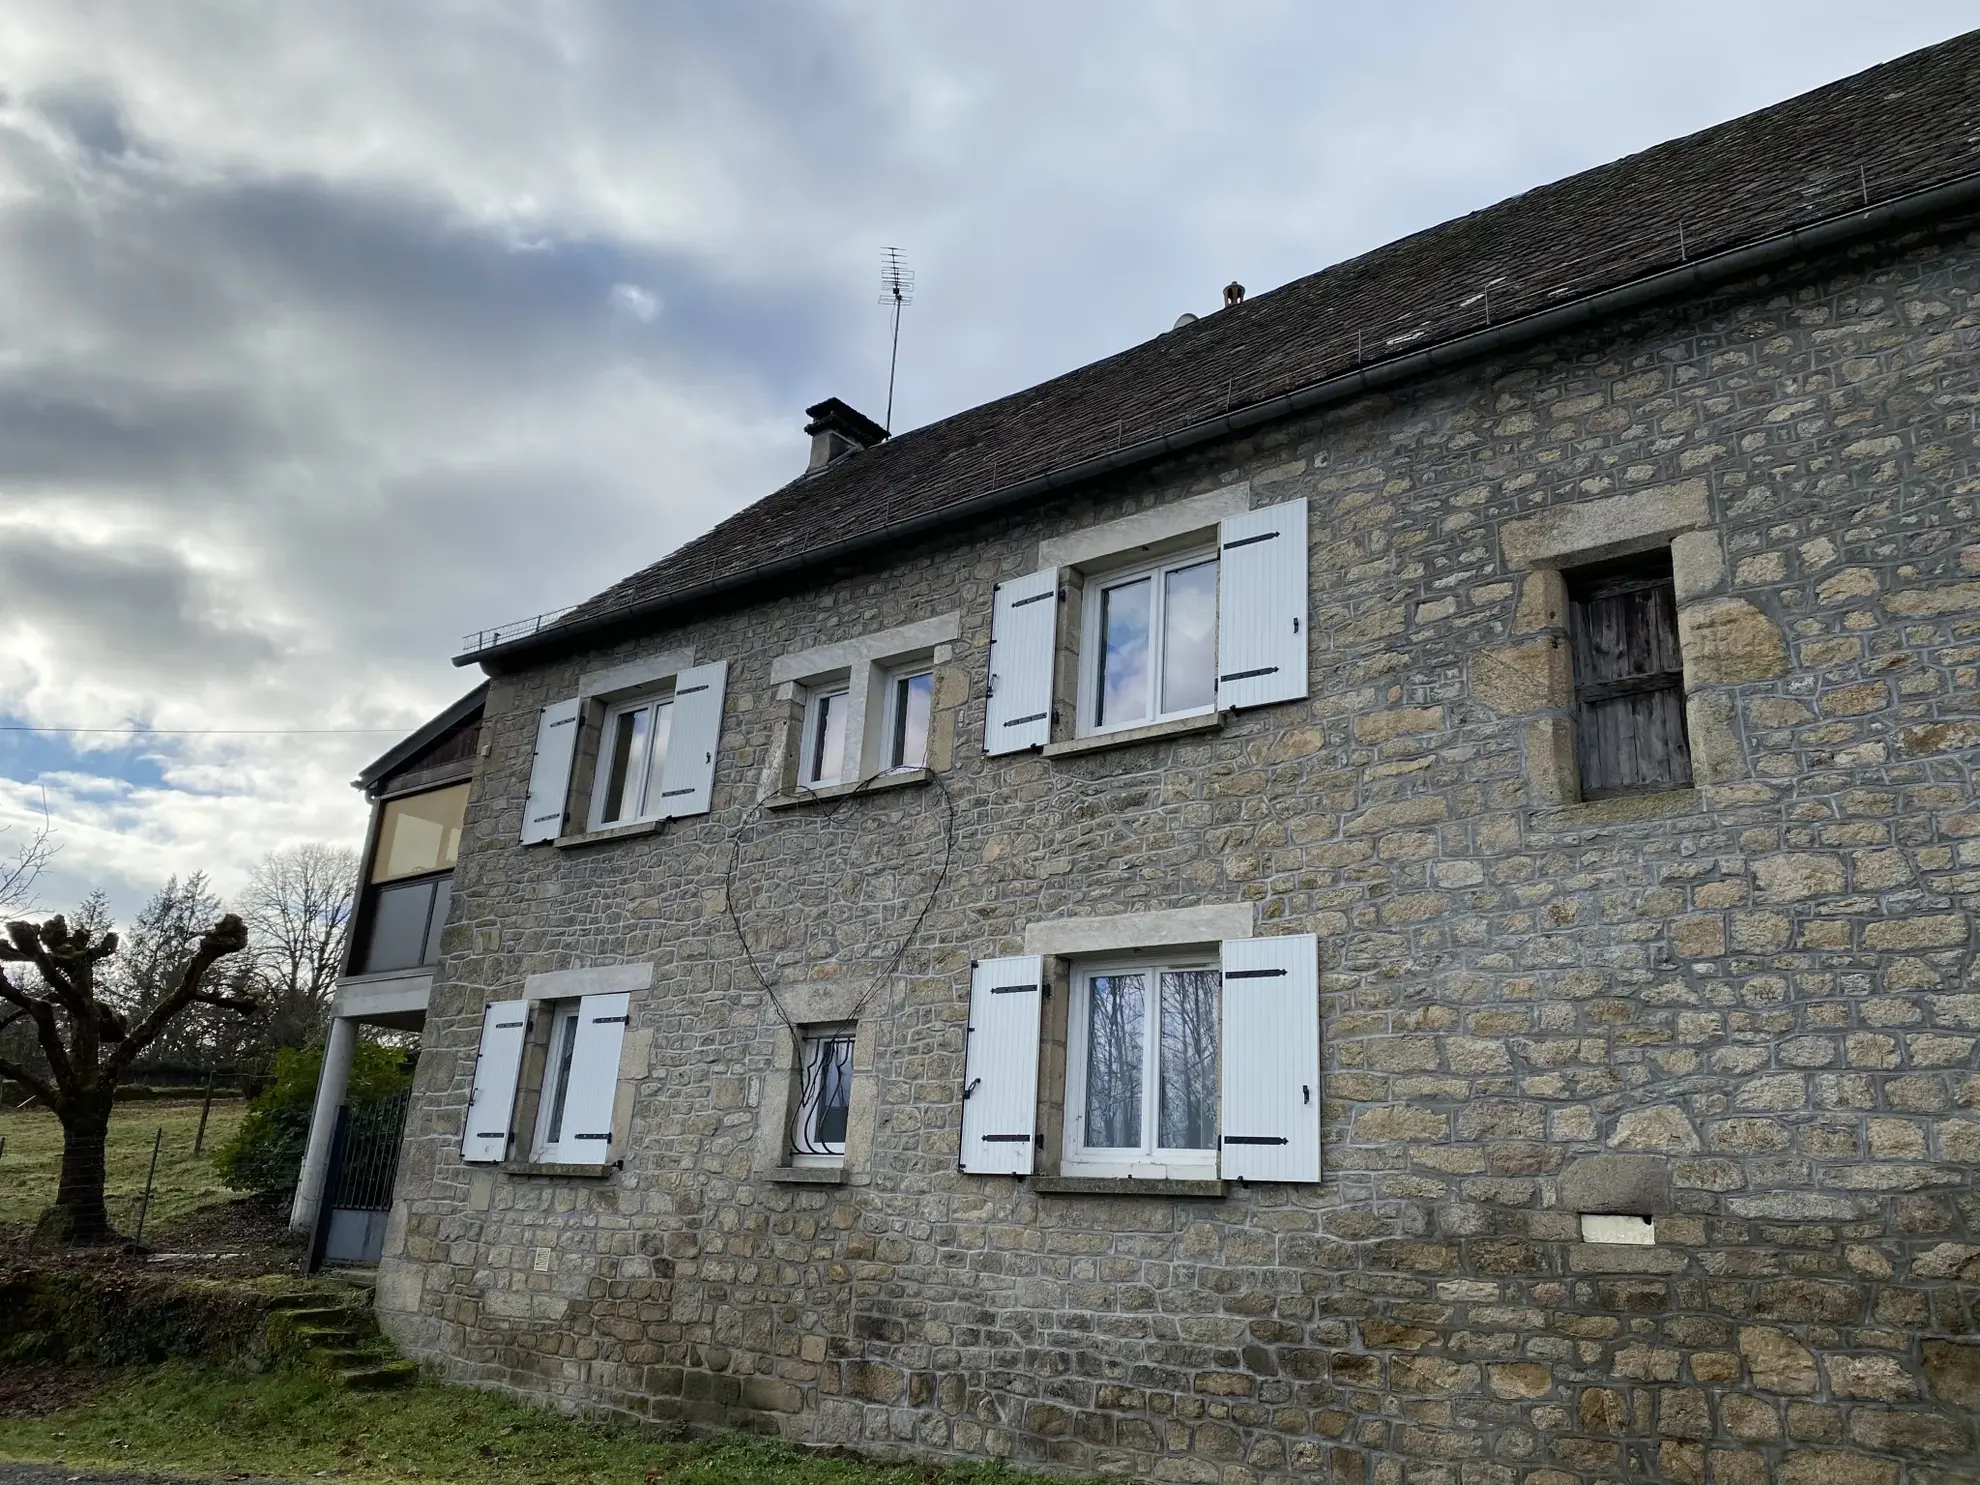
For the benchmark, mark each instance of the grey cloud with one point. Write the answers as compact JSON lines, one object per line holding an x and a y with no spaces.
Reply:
{"x":137,"y":611}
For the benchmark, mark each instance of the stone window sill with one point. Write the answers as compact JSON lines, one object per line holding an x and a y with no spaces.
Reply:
{"x":552,"y":1168}
{"x":1621,"y":809}
{"x":1124,"y":1186}
{"x":808,"y":1175}
{"x":609,"y":833}
{"x":900,"y":778}
{"x":1127,"y":737}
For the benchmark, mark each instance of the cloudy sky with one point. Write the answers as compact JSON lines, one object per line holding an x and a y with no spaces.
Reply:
{"x":332,"y":330}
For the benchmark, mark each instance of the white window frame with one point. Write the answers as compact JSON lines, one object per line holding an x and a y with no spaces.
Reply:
{"x":1092,"y":648}
{"x":810,"y":740}
{"x":554,"y":1086}
{"x":891,"y":720}
{"x":601,"y":774}
{"x":816,"y":1043}
{"x":1150,"y":1162}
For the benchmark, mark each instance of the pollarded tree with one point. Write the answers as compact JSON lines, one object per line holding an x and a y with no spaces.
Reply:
{"x":89,"y":1045}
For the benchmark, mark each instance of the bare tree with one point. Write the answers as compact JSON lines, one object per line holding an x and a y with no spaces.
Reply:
{"x":18,"y":872}
{"x":298,"y":910}
{"x":89,"y":1045}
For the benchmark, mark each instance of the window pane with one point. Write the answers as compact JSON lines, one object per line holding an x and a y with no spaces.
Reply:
{"x":628,"y":755}
{"x":421,"y":832}
{"x":1117,"y":1009}
{"x":828,"y":1124}
{"x":443,"y":897}
{"x":913,"y":695}
{"x":395,"y":937}
{"x":564,"y":1044}
{"x":1124,"y":652}
{"x":1189,"y":1060}
{"x":663,"y":730}
{"x":1189,"y":637}
{"x":828,"y":738}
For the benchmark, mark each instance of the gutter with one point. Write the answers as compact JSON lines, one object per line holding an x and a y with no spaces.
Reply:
{"x":1934,"y":201}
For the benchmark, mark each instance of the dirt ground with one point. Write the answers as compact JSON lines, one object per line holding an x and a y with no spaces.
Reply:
{"x":243,"y":1236}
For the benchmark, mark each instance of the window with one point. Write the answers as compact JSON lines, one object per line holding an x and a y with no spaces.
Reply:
{"x":410,"y":882}
{"x":824,"y":759}
{"x":632,"y":757}
{"x":910,"y":699}
{"x":580,"y":1074}
{"x":824,"y":1102}
{"x":1150,"y":645}
{"x":1142,"y":1095}
{"x":1628,"y":678}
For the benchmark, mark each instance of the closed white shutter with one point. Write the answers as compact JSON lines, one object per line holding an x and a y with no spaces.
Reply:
{"x":1271,"y":1056}
{"x":1000,"y":1071}
{"x":687,"y":783}
{"x":1024,"y":633}
{"x":594,"y":1081}
{"x":1262,"y":606}
{"x":485,"y":1136}
{"x":550,"y":771}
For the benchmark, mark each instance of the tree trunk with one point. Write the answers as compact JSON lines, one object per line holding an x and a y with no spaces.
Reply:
{"x":78,"y":1215}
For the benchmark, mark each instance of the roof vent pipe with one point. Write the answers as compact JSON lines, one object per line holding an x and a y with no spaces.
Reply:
{"x":1185,"y":318}
{"x":1233,"y":294}
{"x":837,"y":430}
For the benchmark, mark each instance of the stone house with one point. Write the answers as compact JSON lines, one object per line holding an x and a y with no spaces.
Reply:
{"x":1377,"y":887}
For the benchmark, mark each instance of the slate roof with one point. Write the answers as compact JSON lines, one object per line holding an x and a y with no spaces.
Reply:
{"x":1888,"y":132}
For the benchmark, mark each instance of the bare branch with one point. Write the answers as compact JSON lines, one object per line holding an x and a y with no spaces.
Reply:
{"x":29,"y":1081}
{"x":17,"y":877}
{"x":228,"y":936}
{"x":247,"y":1005}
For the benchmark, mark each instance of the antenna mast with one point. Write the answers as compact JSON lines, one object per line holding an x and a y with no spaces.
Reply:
{"x":896,"y":289}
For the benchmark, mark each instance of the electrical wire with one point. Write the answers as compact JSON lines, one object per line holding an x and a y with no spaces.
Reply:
{"x":758,"y":811}
{"x":210,"y":731}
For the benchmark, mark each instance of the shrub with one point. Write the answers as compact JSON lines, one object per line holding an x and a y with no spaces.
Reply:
{"x":265,"y":1154}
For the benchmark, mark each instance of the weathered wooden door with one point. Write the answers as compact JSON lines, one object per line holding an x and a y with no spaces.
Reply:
{"x":1628,"y":679}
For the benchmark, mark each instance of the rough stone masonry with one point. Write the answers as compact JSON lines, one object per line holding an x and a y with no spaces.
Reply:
{"x":1746,"y":1006}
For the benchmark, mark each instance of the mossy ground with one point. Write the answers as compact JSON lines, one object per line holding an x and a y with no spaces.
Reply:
{"x":185,"y":1419}
{"x":185,"y":1183}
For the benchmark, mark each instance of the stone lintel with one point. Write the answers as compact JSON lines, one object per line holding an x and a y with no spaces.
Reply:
{"x":1209,"y":923}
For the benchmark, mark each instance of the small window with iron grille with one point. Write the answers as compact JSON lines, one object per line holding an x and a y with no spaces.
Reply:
{"x":1628,"y":678}
{"x":824,"y":1101}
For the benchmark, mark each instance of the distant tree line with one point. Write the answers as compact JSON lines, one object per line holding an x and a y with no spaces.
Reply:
{"x":296,"y":908}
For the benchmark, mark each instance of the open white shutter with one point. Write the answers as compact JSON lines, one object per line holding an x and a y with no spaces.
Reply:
{"x":550,"y":771}
{"x":1000,"y":1070}
{"x":1271,"y":1056}
{"x":1262,"y":606}
{"x":688,"y":781}
{"x":485,"y":1137}
{"x":594,"y":1082}
{"x":1024,"y":633}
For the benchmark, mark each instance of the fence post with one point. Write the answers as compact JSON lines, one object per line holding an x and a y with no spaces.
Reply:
{"x":205,"y":1108}
{"x":145,"y":1210}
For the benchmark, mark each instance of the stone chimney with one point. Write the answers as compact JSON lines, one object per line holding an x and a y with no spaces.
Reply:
{"x":837,"y":430}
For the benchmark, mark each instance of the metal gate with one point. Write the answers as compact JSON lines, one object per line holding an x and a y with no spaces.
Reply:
{"x":357,"y":1193}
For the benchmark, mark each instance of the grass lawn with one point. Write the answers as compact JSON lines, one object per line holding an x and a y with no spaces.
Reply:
{"x":185,"y":1419}
{"x":185,"y":1182}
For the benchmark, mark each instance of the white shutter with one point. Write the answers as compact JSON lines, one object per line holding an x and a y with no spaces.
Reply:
{"x":1000,"y":1070}
{"x":485,"y":1136}
{"x":687,"y":783}
{"x":1024,"y":634}
{"x":1262,"y":606}
{"x":1271,"y":1056}
{"x":594,"y":1081}
{"x":550,"y":771}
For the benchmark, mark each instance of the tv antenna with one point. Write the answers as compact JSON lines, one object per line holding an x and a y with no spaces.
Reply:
{"x":896,"y":289}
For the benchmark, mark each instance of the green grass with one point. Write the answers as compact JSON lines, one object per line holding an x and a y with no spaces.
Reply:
{"x":185,"y":1183}
{"x":184,"y":1419}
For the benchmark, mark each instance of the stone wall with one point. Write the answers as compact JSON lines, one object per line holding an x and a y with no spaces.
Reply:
{"x":1760,"y":987}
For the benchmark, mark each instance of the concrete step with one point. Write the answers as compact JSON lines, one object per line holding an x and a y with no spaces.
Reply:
{"x":385,"y":1374}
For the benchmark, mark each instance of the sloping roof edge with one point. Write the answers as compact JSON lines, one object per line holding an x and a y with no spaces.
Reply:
{"x":422,"y":735}
{"x":1932,"y":203}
